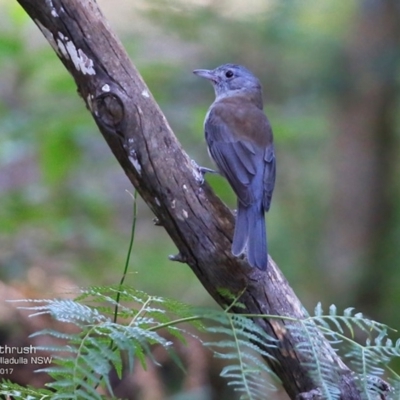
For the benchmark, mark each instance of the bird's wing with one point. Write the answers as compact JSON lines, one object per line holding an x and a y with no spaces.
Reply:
{"x":269,"y":175}
{"x":235,"y":160}
{"x":236,"y":153}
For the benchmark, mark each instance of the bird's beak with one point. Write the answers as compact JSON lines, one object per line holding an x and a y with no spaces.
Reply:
{"x":206,"y":73}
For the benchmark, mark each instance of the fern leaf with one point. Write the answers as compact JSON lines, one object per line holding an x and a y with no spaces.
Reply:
{"x":243,"y":344}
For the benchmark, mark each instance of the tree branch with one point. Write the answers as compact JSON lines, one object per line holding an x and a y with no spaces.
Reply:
{"x":200,"y":225}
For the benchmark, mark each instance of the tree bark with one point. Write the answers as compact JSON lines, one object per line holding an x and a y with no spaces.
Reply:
{"x":200,"y":225}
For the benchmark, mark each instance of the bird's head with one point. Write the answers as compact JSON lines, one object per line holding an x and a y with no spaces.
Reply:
{"x":231,"y":79}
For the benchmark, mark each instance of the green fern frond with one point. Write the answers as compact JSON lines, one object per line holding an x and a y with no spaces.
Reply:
{"x":349,"y":319}
{"x":242,"y":346}
{"x":90,"y":353}
{"x":368,"y":360}
{"x":64,"y":310}
{"x":18,"y":392}
{"x":309,"y":344}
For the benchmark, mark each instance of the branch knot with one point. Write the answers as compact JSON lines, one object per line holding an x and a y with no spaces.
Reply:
{"x":110,"y":109}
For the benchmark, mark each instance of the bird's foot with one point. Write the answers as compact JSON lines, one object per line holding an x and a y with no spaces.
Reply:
{"x":202,"y":171}
{"x":205,"y":170}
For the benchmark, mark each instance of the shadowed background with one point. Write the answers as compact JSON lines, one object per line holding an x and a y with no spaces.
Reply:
{"x":330,"y":72}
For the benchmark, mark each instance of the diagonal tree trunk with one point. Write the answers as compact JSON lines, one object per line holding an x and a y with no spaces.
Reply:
{"x":197,"y":221}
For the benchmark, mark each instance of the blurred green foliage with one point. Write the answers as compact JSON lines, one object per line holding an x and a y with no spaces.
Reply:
{"x":65,"y":208}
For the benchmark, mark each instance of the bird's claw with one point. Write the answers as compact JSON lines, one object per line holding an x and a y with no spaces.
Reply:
{"x":203,"y":171}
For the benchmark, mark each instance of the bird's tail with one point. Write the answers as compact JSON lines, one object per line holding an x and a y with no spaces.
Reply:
{"x":250,"y":234}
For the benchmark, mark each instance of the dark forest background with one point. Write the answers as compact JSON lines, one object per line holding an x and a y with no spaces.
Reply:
{"x":330,"y":72}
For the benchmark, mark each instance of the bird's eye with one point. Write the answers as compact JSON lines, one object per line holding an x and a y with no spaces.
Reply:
{"x":229,"y":74}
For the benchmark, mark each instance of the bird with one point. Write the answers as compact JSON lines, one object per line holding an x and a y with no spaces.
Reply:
{"x":240,"y":141}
